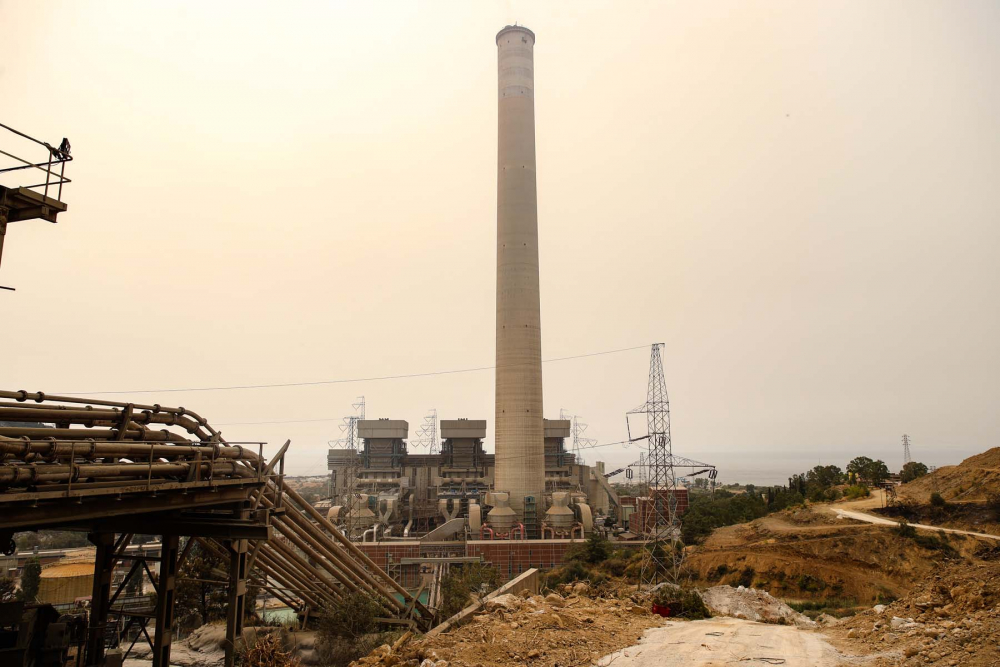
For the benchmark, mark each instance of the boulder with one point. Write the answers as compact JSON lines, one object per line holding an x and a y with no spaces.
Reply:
{"x":507,"y":602}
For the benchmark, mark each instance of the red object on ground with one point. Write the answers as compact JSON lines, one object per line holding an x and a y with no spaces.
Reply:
{"x":662,"y":610}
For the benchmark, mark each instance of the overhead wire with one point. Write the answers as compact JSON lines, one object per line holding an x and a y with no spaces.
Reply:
{"x":343,"y":380}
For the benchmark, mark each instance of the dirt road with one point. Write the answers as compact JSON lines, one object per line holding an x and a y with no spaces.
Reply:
{"x":728,"y":641}
{"x":861,"y":516}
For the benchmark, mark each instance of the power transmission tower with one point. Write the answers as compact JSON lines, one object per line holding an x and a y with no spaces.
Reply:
{"x":350,"y":441}
{"x":665,"y":552}
{"x":579,"y":441}
{"x":427,"y":433}
{"x":906,"y":450}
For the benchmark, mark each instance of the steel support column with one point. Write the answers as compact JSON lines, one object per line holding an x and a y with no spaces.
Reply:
{"x":163,"y":627}
{"x":237,"y":597}
{"x":104,"y":565}
{"x":3,"y":228}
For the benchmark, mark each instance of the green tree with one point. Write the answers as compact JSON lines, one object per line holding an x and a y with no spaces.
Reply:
{"x":596,"y":549}
{"x":912,"y":471}
{"x":872,"y":472}
{"x":825,"y":476}
{"x":27,"y":541}
{"x":30,"y":579}
{"x":353,"y":616}
{"x":196,"y":600}
{"x":858,"y":466}
{"x":878,"y":472}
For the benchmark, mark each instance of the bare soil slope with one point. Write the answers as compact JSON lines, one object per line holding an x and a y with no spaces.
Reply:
{"x":974,"y":479}
{"x":809,"y":555}
{"x":575,"y":630}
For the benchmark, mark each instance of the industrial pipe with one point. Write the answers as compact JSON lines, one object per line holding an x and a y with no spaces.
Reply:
{"x":30,"y":473}
{"x":92,"y":449}
{"x":353,"y":549}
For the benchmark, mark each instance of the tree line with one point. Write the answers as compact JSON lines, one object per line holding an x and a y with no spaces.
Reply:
{"x":820,"y":484}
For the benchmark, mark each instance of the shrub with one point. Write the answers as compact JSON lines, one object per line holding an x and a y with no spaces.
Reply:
{"x":937,"y":500}
{"x":682,"y":603}
{"x":811,"y":584}
{"x":342,"y":651}
{"x":353,"y":616}
{"x":615,"y":566}
{"x":349,"y":630}
{"x":746,"y":577}
{"x":461,"y":582}
{"x":596,"y":549}
{"x":857,"y":491}
{"x":925,"y":541}
{"x":266,"y":652}
{"x":573,"y":572}
{"x":993,"y":504}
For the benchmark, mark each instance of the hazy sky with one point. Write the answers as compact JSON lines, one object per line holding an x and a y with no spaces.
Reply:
{"x":799,"y":199}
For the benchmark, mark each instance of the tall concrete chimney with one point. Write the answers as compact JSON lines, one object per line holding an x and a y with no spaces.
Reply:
{"x":520,"y":439}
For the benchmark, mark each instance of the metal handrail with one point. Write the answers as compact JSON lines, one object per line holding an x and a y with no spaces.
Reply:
{"x":57,"y":156}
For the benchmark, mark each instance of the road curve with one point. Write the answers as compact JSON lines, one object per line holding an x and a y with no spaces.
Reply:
{"x":882,"y":521}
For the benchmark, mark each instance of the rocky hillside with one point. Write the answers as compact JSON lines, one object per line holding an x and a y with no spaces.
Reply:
{"x":974,"y":479}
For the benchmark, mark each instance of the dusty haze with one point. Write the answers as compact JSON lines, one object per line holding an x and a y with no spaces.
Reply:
{"x":798,"y":199}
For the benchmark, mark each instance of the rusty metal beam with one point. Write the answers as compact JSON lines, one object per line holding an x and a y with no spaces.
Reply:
{"x":104,"y":566}
{"x":165,"y":589}
{"x":238,"y":572}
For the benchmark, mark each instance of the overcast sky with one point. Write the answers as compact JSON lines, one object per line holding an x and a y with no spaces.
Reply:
{"x":799,"y":199}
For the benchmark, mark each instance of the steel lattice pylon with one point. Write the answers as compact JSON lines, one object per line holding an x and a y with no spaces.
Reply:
{"x":351,"y":499}
{"x":906,"y":449}
{"x":577,"y":428}
{"x":663,"y":526}
{"x":427,"y":434}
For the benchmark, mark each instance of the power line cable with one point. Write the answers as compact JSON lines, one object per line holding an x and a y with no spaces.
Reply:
{"x":345,"y":380}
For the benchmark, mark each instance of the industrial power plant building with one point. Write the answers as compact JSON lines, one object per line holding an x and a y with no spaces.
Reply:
{"x":531,"y":488}
{"x":399,"y":494}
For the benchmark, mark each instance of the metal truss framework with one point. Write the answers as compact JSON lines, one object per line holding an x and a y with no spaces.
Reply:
{"x":427,"y":434}
{"x":577,"y":429}
{"x":97,"y":466}
{"x":350,"y":442}
{"x":665,"y":553}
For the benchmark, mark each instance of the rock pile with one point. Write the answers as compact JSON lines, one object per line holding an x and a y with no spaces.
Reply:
{"x":953,"y":618}
{"x":524,"y":629}
{"x":752,"y":605}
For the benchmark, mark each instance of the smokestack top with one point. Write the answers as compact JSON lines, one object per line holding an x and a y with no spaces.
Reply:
{"x":515,"y":28}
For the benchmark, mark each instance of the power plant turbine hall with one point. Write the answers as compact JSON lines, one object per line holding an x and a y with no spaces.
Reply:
{"x":520,"y":448}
